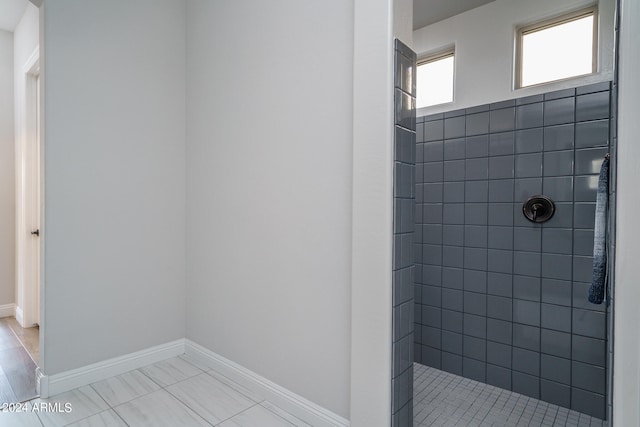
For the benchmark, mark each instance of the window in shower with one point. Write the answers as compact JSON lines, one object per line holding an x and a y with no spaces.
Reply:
{"x":434,"y":80}
{"x":556,"y":49}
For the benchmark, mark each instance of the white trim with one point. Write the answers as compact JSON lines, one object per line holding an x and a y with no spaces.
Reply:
{"x":51,"y":385}
{"x":296,"y":405}
{"x":19,"y":316}
{"x":42,"y":383}
{"x":7,"y":310}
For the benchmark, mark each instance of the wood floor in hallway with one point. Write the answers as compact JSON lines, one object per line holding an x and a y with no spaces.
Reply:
{"x":19,"y":353}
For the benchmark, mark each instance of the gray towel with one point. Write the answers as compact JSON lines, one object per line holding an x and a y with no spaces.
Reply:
{"x":599,"y":281}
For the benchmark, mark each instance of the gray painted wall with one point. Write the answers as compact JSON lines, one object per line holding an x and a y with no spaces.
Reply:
{"x":499,"y":299}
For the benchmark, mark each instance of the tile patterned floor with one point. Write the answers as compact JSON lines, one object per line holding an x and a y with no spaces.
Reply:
{"x":172,"y":393}
{"x":444,"y":399}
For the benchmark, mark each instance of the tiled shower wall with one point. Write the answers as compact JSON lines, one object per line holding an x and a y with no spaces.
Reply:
{"x":499,"y":299}
{"x":404,"y":186}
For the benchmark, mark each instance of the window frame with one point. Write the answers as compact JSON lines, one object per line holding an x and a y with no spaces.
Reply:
{"x":550,"y":23}
{"x":441,"y":54}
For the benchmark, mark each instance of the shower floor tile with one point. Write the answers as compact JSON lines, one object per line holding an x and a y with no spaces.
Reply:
{"x":444,"y":399}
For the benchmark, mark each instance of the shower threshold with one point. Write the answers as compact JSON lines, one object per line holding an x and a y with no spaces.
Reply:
{"x":444,"y":399}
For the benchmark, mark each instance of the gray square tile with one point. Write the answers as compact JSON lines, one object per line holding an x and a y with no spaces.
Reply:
{"x":452,"y":299}
{"x":584,"y":215}
{"x":501,"y":190}
{"x":526,"y":361}
{"x":501,"y":143}
{"x":527,"y":187}
{"x":595,"y":87}
{"x":502,"y":120}
{"x":420,"y":153}
{"x":404,"y":180}
{"x":526,"y":288}
{"x":474,"y":369}
{"x":433,"y":151}
{"x":526,"y":263}
{"x":529,"y":141}
{"x":475,"y":281}
{"x":502,"y":104}
{"x":500,"y":237}
{"x":499,"y":331}
{"x":589,"y":323}
{"x":475,"y":258}
{"x":593,"y":106}
{"x":475,"y":213}
{"x":559,"y":137}
{"x":475,"y":326}
{"x":454,"y":127}
{"x":528,"y":165}
{"x":432,"y":254}
{"x":592,"y":134}
{"x":499,"y":284}
{"x":405,"y":146}
{"x":477,"y":124}
{"x":454,"y":170}
{"x":529,"y":116}
{"x":431,"y":274}
{"x":431,"y":295}
{"x":582,"y":269}
{"x":589,"y":161}
{"x":500,"y":261}
{"x":480,"y":109}
{"x":526,"y":312}
{"x":434,"y":131}
{"x":555,"y":343}
{"x":475,"y":303}
{"x":499,"y":354}
{"x":555,"y":369}
{"x":453,"y":192}
{"x":588,"y":350}
{"x":452,"y":256}
{"x":499,"y":377}
{"x":452,"y":363}
{"x":529,"y":99}
{"x":499,"y":307}
{"x":526,"y":384}
{"x":477,"y":168}
{"x":556,"y":317}
{"x":431,"y":337}
{"x":500,"y":214}
{"x":586,"y":187}
{"x":527,"y":238}
{"x":453,"y":213}
{"x":452,"y":277}
{"x":558,"y":163}
{"x":588,"y":402}
{"x":453,"y":235}
{"x":588,"y":377}
{"x":559,"y":111}
{"x":501,"y":167}
{"x":476,"y":191}
{"x":557,"y":394}
{"x":559,"y":189}
{"x":556,"y":266}
{"x":432,"y":172}
{"x":563,"y":217}
{"x":451,"y":342}
{"x":453,"y":149}
{"x":432,"y":213}
{"x":556,"y":292}
{"x":405,"y":110}
{"x":526,"y":336}
{"x":452,"y":321}
{"x":563,"y":93}
{"x":477,"y":146}
{"x":432,"y":193}
{"x":557,"y":240}
{"x":431,"y":316}
{"x":431,"y":356}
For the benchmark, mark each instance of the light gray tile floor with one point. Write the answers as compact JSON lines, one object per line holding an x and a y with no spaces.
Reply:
{"x":442,"y":399}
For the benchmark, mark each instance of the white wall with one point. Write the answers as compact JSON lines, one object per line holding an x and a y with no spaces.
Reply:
{"x":626,"y":381}
{"x":269,"y":161}
{"x":115,"y":178}
{"x":7,"y":182}
{"x":484,"y":46}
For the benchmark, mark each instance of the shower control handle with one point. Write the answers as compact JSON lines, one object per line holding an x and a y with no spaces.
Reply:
{"x":538,"y":209}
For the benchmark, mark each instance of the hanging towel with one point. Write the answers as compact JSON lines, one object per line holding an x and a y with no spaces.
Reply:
{"x":598,"y":284}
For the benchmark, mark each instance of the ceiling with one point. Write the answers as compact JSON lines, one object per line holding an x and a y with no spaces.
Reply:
{"x":10,"y":13}
{"x":426,"y":12}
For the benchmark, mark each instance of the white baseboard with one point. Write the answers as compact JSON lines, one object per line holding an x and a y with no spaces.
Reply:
{"x":19,"y":316}
{"x":7,"y":310}
{"x":278,"y":395}
{"x":50,"y":385}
